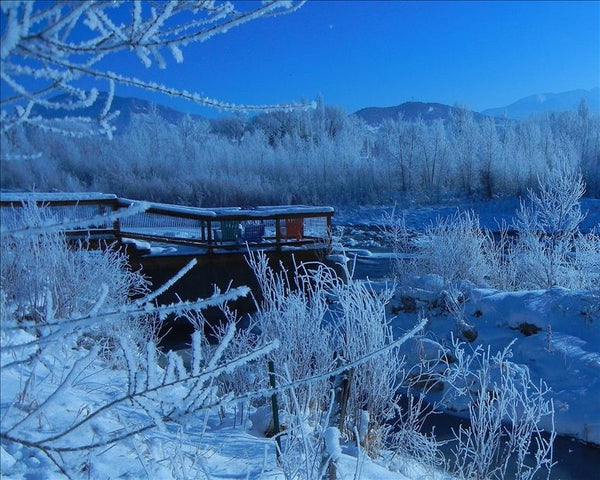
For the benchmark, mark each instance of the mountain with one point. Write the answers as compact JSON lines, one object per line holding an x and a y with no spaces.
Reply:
{"x":374,"y":116}
{"x":127,"y":106}
{"x":548,"y":102}
{"x":410,"y":111}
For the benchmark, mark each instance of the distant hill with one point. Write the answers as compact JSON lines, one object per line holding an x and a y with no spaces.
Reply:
{"x":410,"y":111}
{"x":374,"y":116}
{"x":548,"y":102}
{"x":127,"y":106}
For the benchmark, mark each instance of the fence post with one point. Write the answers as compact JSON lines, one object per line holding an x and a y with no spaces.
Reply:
{"x":337,"y":418}
{"x":275,"y":408}
{"x":278,"y":233}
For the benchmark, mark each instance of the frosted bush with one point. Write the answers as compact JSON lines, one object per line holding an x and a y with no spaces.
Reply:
{"x":506,"y":412}
{"x":547,"y":250}
{"x":294,"y":311}
{"x":329,"y":329}
{"x":43,"y":280}
{"x":550,"y":249}
{"x":362,"y":326}
{"x":455,"y":248}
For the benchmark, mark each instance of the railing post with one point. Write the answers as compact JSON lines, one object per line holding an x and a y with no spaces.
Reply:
{"x":278,"y":233}
{"x":337,"y":417}
{"x":116,"y":221}
{"x":209,"y":235}
{"x":329,"y":241}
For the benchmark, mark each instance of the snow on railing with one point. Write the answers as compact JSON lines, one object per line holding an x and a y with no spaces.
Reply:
{"x":210,"y":228}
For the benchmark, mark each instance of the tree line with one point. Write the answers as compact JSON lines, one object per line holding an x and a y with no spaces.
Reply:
{"x":321,"y":155}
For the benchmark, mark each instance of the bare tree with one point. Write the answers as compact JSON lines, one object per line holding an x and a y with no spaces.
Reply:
{"x":51,"y":51}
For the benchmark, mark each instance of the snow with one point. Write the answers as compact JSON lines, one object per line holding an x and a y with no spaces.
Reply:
{"x":7,"y":196}
{"x":139,"y":245}
{"x":214,"y":446}
{"x":260,"y":212}
{"x":568,"y":359}
{"x":490,"y":213}
{"x":564,"y":352}
{"x":332,"y":443}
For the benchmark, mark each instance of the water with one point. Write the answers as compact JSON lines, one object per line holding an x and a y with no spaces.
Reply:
{"x":574,"y":460}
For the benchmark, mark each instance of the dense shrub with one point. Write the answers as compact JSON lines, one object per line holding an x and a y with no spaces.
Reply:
{"x":542,"y":248}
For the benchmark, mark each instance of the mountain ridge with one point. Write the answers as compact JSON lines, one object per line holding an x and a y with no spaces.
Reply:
{"x":548,"y":102}
{"x":412,"y":111}
{"x":373,"y":116}
{"x":127,"y":106}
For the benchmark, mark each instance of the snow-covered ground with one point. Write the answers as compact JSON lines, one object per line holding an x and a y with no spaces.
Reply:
{"x":490,"y":213}
{"x":564,"y":352}
{"x":220,"y":444}
{"x":556,"y":333}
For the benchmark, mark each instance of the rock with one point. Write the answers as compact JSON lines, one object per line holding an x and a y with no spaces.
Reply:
{"x":409,"y":304}
{"x":469,"y":333}
{"x":528,"y":329}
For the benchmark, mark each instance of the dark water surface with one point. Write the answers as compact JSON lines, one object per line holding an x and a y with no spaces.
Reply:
{"x":574,"y":460}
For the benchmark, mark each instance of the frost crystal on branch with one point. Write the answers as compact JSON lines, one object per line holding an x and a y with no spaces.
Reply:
{"x":48,"y":49}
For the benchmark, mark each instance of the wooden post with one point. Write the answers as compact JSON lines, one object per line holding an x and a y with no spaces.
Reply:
{"x":275,"y":408}
{"x":209,"y":235}
{"x":116,"y":222}
{"x":337,"y":418}
{"x":329,"y":241}
{"x":345,"y":395}
{"x":278,"y":233}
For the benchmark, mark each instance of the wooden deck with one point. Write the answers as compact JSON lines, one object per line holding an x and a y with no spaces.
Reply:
{"x":156,"y":226}
{"x":161,"y":238}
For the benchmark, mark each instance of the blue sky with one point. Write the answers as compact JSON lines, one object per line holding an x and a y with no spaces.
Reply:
{"x":381,"y":53}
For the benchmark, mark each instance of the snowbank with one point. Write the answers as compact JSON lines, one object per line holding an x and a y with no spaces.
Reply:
{"x":556,"y":334}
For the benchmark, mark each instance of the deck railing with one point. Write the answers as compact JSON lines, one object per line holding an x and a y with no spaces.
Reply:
{"x":212,"y":229}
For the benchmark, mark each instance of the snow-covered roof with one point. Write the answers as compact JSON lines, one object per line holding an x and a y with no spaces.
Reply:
{"x":233,"y":213}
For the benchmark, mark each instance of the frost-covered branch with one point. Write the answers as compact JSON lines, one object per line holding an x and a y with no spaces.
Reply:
{"x":49,"y":50}
{"x":52,"y":226}
{"x":133,"y":310}
{"x":162,"y":402}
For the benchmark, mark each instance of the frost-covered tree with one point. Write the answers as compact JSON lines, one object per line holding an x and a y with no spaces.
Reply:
{"x":52,"y":51}
{"x":399,"y":142}
{"x":467,"y":138}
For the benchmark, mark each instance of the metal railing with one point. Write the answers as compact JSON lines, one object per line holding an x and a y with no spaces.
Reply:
{"x":211,"y":229}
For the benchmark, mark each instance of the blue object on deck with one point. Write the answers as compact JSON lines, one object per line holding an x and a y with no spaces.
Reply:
{"x":254,"y":232}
